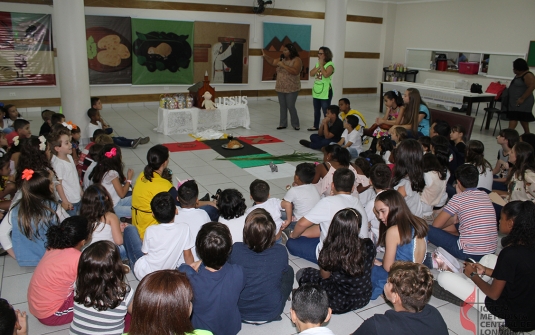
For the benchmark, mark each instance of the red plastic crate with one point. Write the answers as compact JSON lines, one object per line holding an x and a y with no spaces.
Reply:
{"x":468,"y":67}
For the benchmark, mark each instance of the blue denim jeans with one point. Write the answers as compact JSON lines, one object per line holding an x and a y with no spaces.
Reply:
{"x":303,"y":247}
{"x":448,"y":242}
{"x":132,"y":243}
{"x":122,"y":141}
{"x":379,"y":277}
{"x":123,"y":207}
{"x":76,"y":209}
{"x":353,"y":152}
{"x":317,"y":142}
{"x":321,"y":105}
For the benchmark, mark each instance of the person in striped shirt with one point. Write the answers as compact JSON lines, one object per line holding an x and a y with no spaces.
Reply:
{"x":466,"y":227}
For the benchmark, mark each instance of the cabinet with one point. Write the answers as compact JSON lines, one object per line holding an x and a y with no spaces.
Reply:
{"x":400,"y":74}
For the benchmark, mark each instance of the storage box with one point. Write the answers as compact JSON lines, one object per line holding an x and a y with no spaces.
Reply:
{"x":468,"y":67}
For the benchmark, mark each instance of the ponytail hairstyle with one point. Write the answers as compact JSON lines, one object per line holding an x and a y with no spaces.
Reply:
{"x":409,"y":163}
{"x":36,"y":205}
{"x":440,"y":147}
{"x":33,"y":157}
{"x":96,"y":202}
{"x":101,"y":282}
{"x":525,"y":160}
{"x":338,"y":154}
{"x":400,"y":215}
{"x":396,"y":96}
{"x":386,"y":144}
{"x":343,"y":249}
{"x":156,"y":157}
{"x":109,"y":159}
{"x":412,"y":110}
{"x":475,"y":155}
{"x":68,"y":233}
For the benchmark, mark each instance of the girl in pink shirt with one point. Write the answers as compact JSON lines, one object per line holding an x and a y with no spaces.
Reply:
{"x":50,"y":293}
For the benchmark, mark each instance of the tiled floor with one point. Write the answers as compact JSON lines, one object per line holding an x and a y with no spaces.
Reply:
{"x":135,"y":120}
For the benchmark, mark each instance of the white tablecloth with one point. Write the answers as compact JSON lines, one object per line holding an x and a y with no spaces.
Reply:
{"x":449,"y":97}
{"x":192,"y":120}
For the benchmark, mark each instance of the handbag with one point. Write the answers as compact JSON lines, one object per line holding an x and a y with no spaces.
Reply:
{"x":496,"y":88}
{"x":476,"y":88}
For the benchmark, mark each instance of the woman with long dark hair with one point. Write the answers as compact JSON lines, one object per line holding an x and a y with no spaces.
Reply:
{"x":402,"y":234}
{"x":345,"y":263}
{"x":288,"y":83}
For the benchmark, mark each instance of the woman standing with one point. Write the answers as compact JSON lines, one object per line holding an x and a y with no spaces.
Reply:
{"x":520,"y":95}
{"x":322,"y":91}
{"x":288,"y":83}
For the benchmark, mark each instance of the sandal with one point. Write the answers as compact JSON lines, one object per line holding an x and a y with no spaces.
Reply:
{"x":312,"y":129}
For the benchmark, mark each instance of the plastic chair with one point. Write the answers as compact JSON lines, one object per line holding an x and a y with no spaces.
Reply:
{"x":498,"y":113}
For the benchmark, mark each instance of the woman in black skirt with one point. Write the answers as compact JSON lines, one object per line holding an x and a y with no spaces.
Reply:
{"x":520,"y":103}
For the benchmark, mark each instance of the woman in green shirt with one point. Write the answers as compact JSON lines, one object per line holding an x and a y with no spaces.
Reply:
{"x":322,"y":91}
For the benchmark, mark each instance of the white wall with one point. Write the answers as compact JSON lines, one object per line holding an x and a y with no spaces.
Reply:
{"x":464,"y":25}
{"x":361,"y":37}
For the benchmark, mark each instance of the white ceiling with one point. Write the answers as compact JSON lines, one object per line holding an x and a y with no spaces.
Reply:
{"x":402,"y":1}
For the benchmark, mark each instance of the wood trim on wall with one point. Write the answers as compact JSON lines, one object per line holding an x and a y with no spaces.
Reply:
{"x":119,"y":99}
{"x":314,"y":53}
{"x":199,"y":7}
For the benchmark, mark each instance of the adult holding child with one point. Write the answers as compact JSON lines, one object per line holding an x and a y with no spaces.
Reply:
{"x":288,"y":83}
{"x":322,"y":91}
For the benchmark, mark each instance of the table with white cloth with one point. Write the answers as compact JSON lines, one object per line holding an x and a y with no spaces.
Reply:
{"x":192,"y":120}
{"x":449,"y":97}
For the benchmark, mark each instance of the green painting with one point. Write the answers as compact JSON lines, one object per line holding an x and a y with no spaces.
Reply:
{"x":162,"y":52}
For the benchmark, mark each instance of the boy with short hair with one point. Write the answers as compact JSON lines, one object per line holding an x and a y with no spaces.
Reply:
{"x":345,"y":110}
{"x":303,"y":195}
{"x":95,"y":123}
{"x":216,"y":283}
{"x":408,"y":288}
{"x":507,"y":138}
{"x":352,"y":136}
{"x":259,"y":190}
{"x":83,"y":161}
{"x":330,"y":130}
{"x":306,"y":241}
{"x":475,"y":235}
{"x":380,"y":179}
{"x":46,"y":128}
{"x":69,"y":190}
{"x":56,"y":118}
{"x":165,"y":245}
{"x":310,"y":309}
{"x":194,"y":217}
{"x":21,"y":129}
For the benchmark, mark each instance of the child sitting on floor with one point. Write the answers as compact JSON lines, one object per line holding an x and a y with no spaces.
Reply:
{"x":46,"y":128}
{"x":21,"y":130}
{"x":408,"y":288}
{"x":310,"y":309}
{"x":12,"y":322}
{"x":231,"y":205}
{"x":260,"y":194}
{"x":165,"y":245}
{"x":216,"y":283}
{"x":352,"y":136}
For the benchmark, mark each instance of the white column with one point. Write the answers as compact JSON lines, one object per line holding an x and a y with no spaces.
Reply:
{"x":335,"y":39}
{"x":73,"y":74}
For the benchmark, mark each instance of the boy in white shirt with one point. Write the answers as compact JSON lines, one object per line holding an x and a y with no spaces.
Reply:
{"x":69,"y":189}
{"x":165,"y":245}
{"x":306,"y":241}
{"x":303,"y":195}
{"x":189,"y":214}
{"x":259,"y":190}
{"x":352,"y":135}
{"x":310,"y":309}
{"x":380,"y":178}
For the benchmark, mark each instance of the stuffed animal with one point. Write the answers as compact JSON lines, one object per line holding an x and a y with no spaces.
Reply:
{"x":208,"y":103}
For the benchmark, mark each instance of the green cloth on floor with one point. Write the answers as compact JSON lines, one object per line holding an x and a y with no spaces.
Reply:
{"x":252,"y":163}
